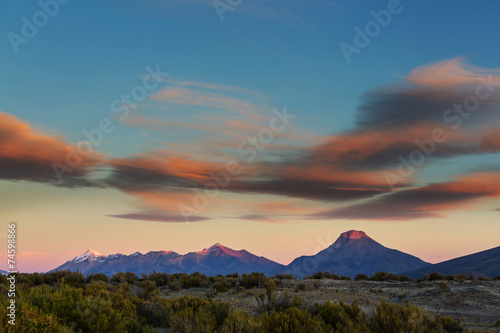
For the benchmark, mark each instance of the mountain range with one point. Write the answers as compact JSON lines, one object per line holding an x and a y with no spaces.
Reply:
{"x":214,"y":260}
{"x":354,"y":252}
{"x":484,"y":263}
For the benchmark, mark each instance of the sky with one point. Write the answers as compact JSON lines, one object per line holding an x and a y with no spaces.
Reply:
{"x":271,"y":126}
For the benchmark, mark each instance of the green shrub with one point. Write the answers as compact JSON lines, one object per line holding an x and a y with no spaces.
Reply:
{"x":97,"y":277}
{"x":241,"y":323}
{"x":148,"y":289}
{"x":154,"y":313}
{"x":323,"y":275}
{"x":252,"y":280}
{"x":449,"y":324}
{"x":405,"y":278}
{"x":161,"y":279}
{"x":284,"y":277}
{"x":292,"y":320}
{"x":271,"y":300}
{"x":221,"y":287}
{"x":124,"y":277}
{"x":383,"y":276}
{"x":342,"y":316}
{"x":195,"y":280}
{"x":31,"y":319}
{"x":301,"y":286}
{"x":436,"y":276}
{"x":444,"y":286}
{"x":97,"y":289}
{"x":396,"y":318}
{"x":194,"y":314}
{"x":77,"y":311}
{"x":361,"y":277}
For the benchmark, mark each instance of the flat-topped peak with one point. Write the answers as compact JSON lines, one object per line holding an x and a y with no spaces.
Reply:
{"x":354,"y":234}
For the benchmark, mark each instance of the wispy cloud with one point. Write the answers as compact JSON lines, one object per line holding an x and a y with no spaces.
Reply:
{"x":159,"y":216}
{"x":392,"y":121}
{"x":426,"y":201}
{"x":26,"y":154}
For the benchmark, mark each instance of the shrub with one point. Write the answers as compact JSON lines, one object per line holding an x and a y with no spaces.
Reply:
{"x":405,"y":278}
{"x":292,"y":320}
{"x":154,"y":313}
{"x":301,"y":286}
{"x":270,"y":300}
{"x":343,"y":277}
{"x":341,"y":315}
{"x":194,"y":314}
{"x":252,"y":280}
{"x":195,"y":280}
{"x":383,"y":276}
{"x":449,"y":324}
{"x":444,"y":286}
{"x":395,"y":318}
{"x":221,"y":287}
{"x":240,"y":322}
{"x":124,"y":277}
{"x":31,"y":319}
{"x":284,"y":277}
{"x":361,"y":277}
{"x":98,"y":289}
{"x":161,"y":279}
{"x":86,"y":313}
{"x":97,"y":277}
{"x":234,"y":275}
{"x":323,"y":275}
{"x":436,"y":276}
{"x":317,"y":284}
{"x":148,"y":288}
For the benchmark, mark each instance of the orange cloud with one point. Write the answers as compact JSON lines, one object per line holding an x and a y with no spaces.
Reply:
{"x":27,"y":154}
{"x":426,"y":201}
{"x":450,"y":73}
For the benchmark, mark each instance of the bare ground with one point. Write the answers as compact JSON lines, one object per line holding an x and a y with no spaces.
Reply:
{"x":474,"y":303}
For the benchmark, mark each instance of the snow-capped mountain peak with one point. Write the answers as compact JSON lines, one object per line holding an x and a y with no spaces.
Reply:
{"x":89,"y":254}
{"x":212,"y":249}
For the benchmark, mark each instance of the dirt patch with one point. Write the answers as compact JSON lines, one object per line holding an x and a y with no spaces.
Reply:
{"x":474,"y":303}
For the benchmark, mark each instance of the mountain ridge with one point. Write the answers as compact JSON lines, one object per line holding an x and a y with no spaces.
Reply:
{"x":216,"y":259}
{"x":353,"y":252}
{"x":484,"y":263}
